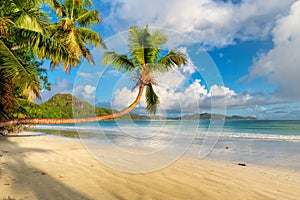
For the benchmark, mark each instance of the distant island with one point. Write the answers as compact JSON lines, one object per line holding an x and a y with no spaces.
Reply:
{"x":207,"y":116}
{"x":69,"y":106}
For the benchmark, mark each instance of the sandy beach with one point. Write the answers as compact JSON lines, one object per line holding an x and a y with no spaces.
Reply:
{"x":54,"y":167}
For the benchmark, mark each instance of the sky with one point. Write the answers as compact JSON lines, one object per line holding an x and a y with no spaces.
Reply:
{"x":244,"y":57}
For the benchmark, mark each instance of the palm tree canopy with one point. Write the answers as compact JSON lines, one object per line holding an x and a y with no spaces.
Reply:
{"x":73,"y":31}
{"x":25,"y":37}
{"x":20,"y":22}
{"x":145,"y":59}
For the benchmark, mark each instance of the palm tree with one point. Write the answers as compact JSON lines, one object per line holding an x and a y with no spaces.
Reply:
{"x":145,"y":59}
{"x":21,"y":25}
{"x":26,"y":34}
{"x":22,"y":38}
{"x":72,"y":30}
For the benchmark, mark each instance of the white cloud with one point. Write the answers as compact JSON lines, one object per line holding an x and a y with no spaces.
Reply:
{"x":123,"y":98}
{"x":184,"y":100}
{"x":221,"y":91}
{"x":282,"y":63}
{"x":112,"y":73}
{"x":281,"y":111}
{"x":85,"y":75}
{"x":213,"y":23}
{"x":194,"y":98}
{"x":86,"y":92}
{"x":171,"y":79}
{"x":88,"y":89}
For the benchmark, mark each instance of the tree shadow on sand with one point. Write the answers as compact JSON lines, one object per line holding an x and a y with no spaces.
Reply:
{"x":23,"y":179}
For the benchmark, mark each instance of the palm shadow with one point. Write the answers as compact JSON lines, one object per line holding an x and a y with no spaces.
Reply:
{"x":12,"y":165}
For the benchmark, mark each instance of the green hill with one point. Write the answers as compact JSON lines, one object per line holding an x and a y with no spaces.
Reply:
{"x":65,"y":106}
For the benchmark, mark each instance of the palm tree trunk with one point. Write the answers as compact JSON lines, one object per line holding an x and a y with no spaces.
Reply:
{"x":10,"y":123}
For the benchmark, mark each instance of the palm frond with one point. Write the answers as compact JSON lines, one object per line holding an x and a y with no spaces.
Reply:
{"x":31,"y":19}
{"x":85,"y":51}
{"x":153,"y":44}
{"x":145,"y":45}
{"x":43,"y":46}
{"x":86,"y":3}
{"x":175,"y":58}
{"x":9,"y":63}
{"x":152,"y":100}
{"x":56,"y":6}
{"x":120,"y":62}
{"x":137,"y":42}
{"x":24,"y":76}
{"x":91,"y":37}
{"x":89,"y":18}
{"x":5,"y":24}
{"x":7,"y":98}
{"x":83,"y":3}
{"x":157,"y":39}
{"x":72,"y":9}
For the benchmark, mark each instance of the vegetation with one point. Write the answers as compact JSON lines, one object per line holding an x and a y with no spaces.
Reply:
{"x":69,"y":106}
{"x":145,"y":61}
{"x":21,"y":75}
{"x":64,"y":106}
{"x":72,"y":31}
{"x":27,"y":37}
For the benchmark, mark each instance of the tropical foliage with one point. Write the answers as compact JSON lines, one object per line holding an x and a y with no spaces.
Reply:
{"x":72,"y":31}
{"x":146,"y":59}
{"x":20,"y":73}
{"x":64,"y":106}
{"x":28,"y":36}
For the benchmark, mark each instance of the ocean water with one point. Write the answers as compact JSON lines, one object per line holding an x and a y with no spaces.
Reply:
{"x":250,"y":129}
{"x":265,"y":142}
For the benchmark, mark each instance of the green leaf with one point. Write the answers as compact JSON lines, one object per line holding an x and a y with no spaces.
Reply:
{"x":174,"y":58}
{"x":89,"y":18}
{"x":23,"y":75}
{"x":43,"y":46}
{"x":120,"y":62}
{"x":152,"y":100}
{"x":91,"y":37}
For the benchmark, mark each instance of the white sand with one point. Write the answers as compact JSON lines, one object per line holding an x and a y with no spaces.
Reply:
{"x":50,"y":167}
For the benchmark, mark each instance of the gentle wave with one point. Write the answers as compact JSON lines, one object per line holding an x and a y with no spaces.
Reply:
{"x":166,"y":132}
{"x":261,"y":136}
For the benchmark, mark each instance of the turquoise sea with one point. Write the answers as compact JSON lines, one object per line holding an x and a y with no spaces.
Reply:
{"x":273,"y":143}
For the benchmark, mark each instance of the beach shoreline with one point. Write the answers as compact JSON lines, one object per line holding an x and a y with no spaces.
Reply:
{"x":55,"y":167}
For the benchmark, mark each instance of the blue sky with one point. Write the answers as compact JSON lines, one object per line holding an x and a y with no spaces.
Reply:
{"x":243,"y":53}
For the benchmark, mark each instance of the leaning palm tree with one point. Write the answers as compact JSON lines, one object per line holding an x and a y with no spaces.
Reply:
{"x":145,"y":60}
